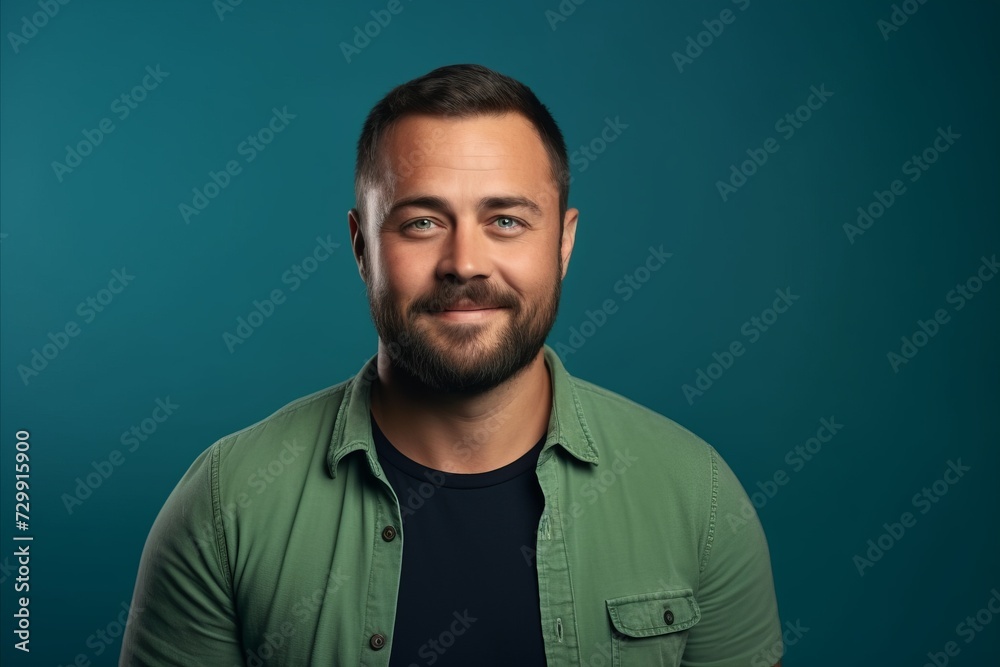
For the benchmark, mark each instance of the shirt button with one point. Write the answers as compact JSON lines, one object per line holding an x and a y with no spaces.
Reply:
{"x":388,"y":533}
{"x":668,"y":616}
{"x":377,"y":641}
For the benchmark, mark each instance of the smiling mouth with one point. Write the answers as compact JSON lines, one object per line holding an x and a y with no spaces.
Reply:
{"x":465,"y":305}
{"x":465,"y":309}
{"x":467,"y":313}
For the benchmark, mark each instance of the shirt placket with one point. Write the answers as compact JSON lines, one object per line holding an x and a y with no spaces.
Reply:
{"x":387,"y":560}
{"x":555,"y":592}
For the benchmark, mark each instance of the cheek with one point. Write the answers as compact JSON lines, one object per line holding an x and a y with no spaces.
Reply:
{"x":405,"y":274}
{"x":530,"y":273}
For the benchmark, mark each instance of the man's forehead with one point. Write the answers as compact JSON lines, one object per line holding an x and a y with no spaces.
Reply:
{"x":461,"y":161}
{"x":415,"y":139}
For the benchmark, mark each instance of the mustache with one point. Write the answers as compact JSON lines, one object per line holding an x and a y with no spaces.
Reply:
{"x":479,"y":293}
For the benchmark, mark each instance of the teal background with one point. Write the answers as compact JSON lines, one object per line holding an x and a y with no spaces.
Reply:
{"x":655,"y":184}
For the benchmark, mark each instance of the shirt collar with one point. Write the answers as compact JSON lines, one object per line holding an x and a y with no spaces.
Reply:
{"x":567,"y":423}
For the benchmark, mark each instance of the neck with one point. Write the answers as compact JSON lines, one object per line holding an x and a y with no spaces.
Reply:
{"x":462,"y":433}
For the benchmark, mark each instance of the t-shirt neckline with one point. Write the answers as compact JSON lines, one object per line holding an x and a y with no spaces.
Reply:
{"x":476,"y":480}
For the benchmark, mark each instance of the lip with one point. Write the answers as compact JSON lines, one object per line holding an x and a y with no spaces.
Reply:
{"x":465,"y":304}
{"x":468,"y":308}
{"x":467,"y":313}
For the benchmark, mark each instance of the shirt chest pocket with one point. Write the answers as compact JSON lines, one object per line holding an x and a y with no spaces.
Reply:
{"x":650,"y":629}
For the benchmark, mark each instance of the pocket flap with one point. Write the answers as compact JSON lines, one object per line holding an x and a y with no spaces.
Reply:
{"x":649,"y":614}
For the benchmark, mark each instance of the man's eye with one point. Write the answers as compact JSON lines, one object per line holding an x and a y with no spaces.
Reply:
{"x":506,"y":222}
{"x":418,"y":224}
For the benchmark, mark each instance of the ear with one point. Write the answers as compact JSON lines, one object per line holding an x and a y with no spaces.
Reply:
{"x":357,"y":241}
{"x":568,"y":237}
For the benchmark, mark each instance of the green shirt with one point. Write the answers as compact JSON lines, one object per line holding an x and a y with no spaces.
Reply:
{"x":282,"y":544}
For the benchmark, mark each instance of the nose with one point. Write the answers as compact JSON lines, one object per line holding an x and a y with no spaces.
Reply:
{"x":465,"y":254}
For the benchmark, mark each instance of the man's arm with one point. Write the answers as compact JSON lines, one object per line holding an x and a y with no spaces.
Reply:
{"x":183,"y":613}
{"x":739,"y":622}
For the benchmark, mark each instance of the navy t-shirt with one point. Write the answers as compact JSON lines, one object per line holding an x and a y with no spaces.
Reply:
{"x":468,"y":594}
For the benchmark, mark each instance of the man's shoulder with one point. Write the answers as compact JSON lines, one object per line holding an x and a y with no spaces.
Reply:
{"x":302,"y":424}
{"x":610,"y":415}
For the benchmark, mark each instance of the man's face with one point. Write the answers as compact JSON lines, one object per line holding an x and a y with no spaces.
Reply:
{"x":466,"y":267}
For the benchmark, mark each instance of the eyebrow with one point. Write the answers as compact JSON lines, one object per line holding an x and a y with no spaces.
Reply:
{"x":490,"y":203}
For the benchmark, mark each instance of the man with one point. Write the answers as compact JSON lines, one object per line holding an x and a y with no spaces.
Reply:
{"x":546,"y":521}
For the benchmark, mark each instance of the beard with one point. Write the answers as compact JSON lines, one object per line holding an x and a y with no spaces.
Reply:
{"x":463,"y":357}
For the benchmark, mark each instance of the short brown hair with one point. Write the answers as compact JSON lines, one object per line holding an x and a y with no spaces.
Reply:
{"x":454,"y":91}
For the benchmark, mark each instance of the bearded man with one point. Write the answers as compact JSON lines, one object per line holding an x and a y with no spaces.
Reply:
{"x":462,"y":500}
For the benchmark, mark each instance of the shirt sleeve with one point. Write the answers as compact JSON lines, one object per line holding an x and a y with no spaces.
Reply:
{"x":739,"y":622}
{"x":182,"y":608}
